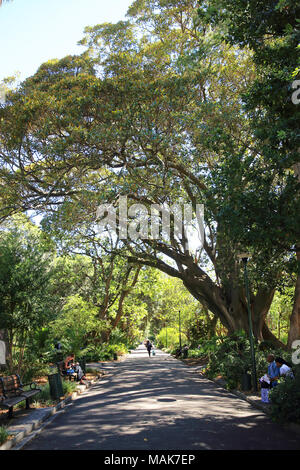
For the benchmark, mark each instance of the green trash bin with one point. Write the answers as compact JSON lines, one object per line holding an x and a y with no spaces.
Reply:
{"x":246,"y":382}
{"x":56,"y":388}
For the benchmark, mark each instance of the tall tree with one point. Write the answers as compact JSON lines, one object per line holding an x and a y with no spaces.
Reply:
{"x":25,"y":300}
{"x":111,"y":277}
{"x":152,"y":111}
{"x":271,"y":30}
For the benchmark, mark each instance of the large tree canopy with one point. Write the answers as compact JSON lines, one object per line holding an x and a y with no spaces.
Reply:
{"x":152,"y":111}
{"x":271,"y":30}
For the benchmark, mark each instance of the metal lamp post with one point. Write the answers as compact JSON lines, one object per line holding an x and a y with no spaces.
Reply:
{"x":179,"y":331}
{"x":244,"y":257}
{"x":166,"y":335}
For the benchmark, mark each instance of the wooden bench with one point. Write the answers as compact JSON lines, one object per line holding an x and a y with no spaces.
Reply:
{"x":63,"y":371}
{"x":12,"y":392}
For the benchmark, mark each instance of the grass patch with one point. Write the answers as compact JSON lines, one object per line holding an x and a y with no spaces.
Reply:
{"x":69,"y":387}
{"x":44,"y":397}
{"x":3,"y":434}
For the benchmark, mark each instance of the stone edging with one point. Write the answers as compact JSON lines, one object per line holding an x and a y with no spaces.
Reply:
{"x":26,"y":429}
{"x":294,"y":427}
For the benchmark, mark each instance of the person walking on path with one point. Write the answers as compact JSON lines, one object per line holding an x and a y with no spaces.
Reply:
{"x":149,"y":346}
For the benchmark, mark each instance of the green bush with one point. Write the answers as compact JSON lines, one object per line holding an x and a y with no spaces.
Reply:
{"x":196,"y":353}
{"x":3,"y":434}
{"x":170,"y":336}
{"x":29,"y":371}
{"x":44,"y":395}
{"x":104,"y":352}
{"x":34,"y":370}
{"x":119,"y":349}
{"x":69,"y":387}
{"x":230,"y":357}
{"x":233,"y":367}
{"x":285,"y":400}
{"x":211,"y":346}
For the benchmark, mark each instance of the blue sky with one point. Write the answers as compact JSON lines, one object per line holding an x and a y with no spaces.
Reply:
{"x":34,"y":31}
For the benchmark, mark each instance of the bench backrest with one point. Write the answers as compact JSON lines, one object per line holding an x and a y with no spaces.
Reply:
{"x":10,"y":386}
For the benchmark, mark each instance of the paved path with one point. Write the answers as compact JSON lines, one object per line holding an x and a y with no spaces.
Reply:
{"x":158,"y":403}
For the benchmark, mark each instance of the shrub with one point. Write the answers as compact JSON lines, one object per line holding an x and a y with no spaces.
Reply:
{"x":230,"y":357}
{"x":34,"y":370}
{"x":285,"y":400}
{"x":170,"y":337}
{"x":44,"y":395}
{"x":3,"y":434}
{"x":93,"y":353}
{"x":196,"y":353}
{"x":104,"y":352}
{"x":233,"y":367}
{"x":69,"y":387}
{"x":118,"y":349}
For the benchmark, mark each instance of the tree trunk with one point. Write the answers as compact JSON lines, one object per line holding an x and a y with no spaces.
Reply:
{"x":22,"y":347}
{"x":10,"y":350}
{"x":294,"y":331}
{"x":268,"y":336}
{"x":211,"y":324}
{"x":124,"y":293}
{"x":230,"y":305}
{"x":119,"y":315}
{"x":261,"y":307}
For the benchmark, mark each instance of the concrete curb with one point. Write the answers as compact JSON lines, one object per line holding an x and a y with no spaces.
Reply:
{"x":24,"y":432}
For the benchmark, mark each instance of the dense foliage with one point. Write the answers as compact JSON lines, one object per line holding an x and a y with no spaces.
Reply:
{"x":183,"y":103}
{"x":271,"y":30}
{"x":230,"y":358}
{"x":285,"y":400}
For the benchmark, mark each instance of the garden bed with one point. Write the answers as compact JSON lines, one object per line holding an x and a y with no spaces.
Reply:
{"x":20,"y":411}
{"x":21,"y":414}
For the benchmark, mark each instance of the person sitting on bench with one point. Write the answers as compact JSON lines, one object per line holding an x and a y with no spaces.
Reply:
{"x":74,"y":369}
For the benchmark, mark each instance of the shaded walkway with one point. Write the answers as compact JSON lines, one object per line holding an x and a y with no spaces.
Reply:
{"x":158,"y":403}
